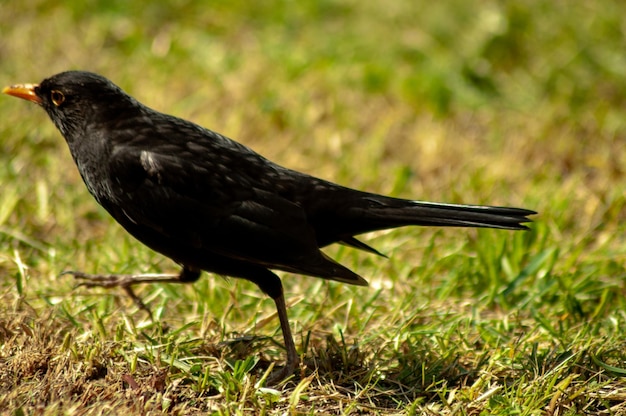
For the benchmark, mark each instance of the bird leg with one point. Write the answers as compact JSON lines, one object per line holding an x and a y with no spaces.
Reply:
{"x":271,"y":285}
{"x":266,"y":280}
{"x":126,"y":281}
{"x":290,"y":346}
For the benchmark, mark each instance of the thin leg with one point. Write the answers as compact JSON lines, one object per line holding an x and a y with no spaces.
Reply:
{"x":186,"y":275}
{"x":126,"y":281}
{"x":292,"y":355}
{"x":271,"y":285}
{"x":265,"y":279}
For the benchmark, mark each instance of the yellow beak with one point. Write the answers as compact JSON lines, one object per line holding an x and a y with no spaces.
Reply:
{"x":24,"y":91}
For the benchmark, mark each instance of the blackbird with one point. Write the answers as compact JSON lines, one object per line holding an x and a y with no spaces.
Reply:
{"x":210,"y":203}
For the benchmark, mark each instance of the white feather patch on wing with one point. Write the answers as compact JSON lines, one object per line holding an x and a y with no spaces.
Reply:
{"x":150,"y":165}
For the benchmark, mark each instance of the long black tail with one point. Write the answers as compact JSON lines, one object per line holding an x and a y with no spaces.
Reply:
{"x":452,"y":215}
{"x":375,"y":212}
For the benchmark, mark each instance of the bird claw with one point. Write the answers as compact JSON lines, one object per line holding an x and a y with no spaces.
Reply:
{"x":279,"y":375}
{"x":108,"y":281}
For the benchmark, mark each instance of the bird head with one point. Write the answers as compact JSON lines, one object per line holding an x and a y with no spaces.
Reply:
{"x":77,"y":100}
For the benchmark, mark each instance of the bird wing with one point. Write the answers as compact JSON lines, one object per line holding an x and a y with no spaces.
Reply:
{"x":216,"y":205}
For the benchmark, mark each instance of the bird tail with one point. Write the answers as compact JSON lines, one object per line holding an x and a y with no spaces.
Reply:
{"x":375,"y":212}
{"x":453,"y":215}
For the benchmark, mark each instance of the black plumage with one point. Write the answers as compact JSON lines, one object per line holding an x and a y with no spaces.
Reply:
{"x":210,"y":203}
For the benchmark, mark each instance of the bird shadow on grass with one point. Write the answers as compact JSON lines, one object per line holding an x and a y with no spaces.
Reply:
{"x":333,"y":366}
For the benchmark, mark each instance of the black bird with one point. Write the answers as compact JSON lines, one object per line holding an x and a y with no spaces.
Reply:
{"x":210,"y":203}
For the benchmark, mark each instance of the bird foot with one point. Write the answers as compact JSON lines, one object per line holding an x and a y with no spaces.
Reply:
{"x":280,"y":375}
{"x":119,"y":280}
{"x":125,"y":281}
{"x":287,"y":370}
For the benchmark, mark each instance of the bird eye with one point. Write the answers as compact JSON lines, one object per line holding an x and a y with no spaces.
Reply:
{"x":57,"y":97}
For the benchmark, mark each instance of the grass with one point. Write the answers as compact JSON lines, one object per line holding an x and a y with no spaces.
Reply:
{"x":510,"y":103}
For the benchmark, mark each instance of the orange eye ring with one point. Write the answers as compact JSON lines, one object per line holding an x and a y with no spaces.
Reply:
{"x":57,"y":97}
